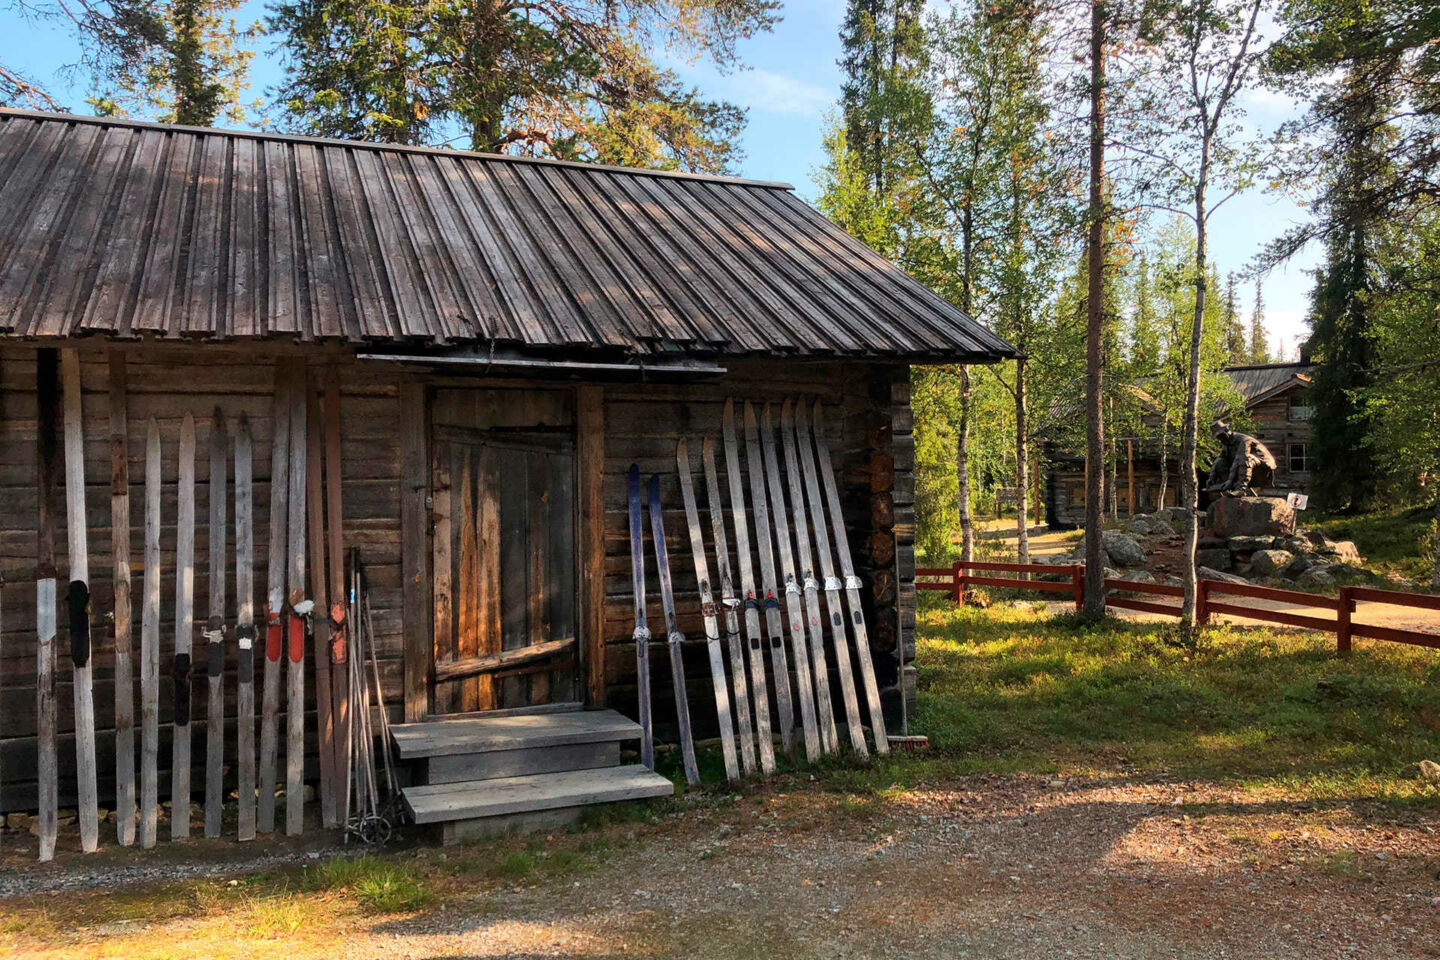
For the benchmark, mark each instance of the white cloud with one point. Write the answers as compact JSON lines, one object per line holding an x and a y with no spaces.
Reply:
{"x":771,"y":92}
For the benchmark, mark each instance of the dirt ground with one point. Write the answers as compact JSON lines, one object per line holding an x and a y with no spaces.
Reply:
{"x":984,"y":867}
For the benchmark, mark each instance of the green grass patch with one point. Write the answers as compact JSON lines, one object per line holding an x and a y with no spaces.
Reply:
{"x":1009,"y":690}
{"x":377,"y":885}
{"x":1398,"y":541}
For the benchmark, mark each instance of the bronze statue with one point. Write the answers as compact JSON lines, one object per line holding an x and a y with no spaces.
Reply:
{"x":1242,"y":464}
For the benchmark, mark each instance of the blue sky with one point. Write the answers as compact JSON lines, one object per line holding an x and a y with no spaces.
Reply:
{"x":789,"y":89}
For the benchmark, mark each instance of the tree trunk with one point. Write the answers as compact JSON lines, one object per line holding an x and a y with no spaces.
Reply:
{"x":1094,"y":607}
{"x":1022,"y":463}
{"x":1164,"y":459}
{"x":1112,"y":469}
{"x":1189,"y":442}
{"x":962,"y":469}
{"x":1435,"y":581}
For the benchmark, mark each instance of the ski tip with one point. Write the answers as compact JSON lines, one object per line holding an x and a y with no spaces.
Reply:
{"x":682,"y":454}
{"x":707,"y":447}
{"x":786,"y":414}
{"x":765,"y":417}
{"x":655,"y":486}
{"x":819,"y":415}
{"x":749,"y":415}
{"x":634,"y":473}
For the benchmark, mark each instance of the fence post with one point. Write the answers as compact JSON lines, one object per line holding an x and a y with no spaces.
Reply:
{"x":957,"y":588}
{"x":1077,"y":582}
{"x":1342,"y":622}
{"x":1202,"y":602}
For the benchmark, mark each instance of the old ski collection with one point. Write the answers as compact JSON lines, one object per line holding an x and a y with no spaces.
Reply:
{"x":785,"y":523}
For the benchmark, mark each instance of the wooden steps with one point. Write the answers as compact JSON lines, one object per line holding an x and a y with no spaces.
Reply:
{"x":482,"y":775}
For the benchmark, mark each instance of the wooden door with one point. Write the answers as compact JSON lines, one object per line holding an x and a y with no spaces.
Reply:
{"x":505,"y":585}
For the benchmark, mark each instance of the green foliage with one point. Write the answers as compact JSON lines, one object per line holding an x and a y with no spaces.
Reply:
{"x":569,"y":80}
{"x":379,"y":885}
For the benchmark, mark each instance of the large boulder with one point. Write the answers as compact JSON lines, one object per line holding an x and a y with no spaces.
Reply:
{"x":1269,"y":563}
{"x":1317,"y":576}
{"x":1217,"y":558}
{"x":1123,"y":549}
{"x":1298,"y":565}
{"x":1250,"y":544}
{"x":1210,"y":573}
{"x":1251,"y":517}
{"x":1140,"y":526}
{"x":1162,"y":528}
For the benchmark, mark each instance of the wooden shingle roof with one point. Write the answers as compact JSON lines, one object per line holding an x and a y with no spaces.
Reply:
{"x":125,"y":230}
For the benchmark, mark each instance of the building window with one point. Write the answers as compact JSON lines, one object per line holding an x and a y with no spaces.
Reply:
{"x":1299,"y":458}
{"x":1300,"y":408}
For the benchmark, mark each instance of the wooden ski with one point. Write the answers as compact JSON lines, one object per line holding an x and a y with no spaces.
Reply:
{"x":330,"y":790}
{"x":47,"y":390}
{"x":300,"y":609}
{"x":245,"y":630}
{"x":124,"y":623}
{"x":78,"y":603}
{"x":215,"y":631}
{"x":794,"y":605}
{"x":708,"y":613}
{"x":277,"y":535}
{"x":832,"y":584}
{"x":852,"y":587}
{"x":753,"y":635}
{"x":779,"y":668}
{"x":184,"y":629}
{"x":730,"y":604}
{"x":674,"y":639}
{"x":150,"y":647}
{"x":642,"y":631}
{"x":341,"y":681}
{"x":825,"y":712}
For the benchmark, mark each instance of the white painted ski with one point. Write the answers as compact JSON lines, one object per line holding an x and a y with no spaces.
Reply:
{"x":184,"y":629}
{"x":124,"y":621}
{"x":215,"y":630}
{"x":834,"y":606}
{"x":674,"y":639}
{"x":245,"y":629}
{"x":274,"y":601}
{"x":794,"y":604}
{"x":47,"y":390}
{"x":779,"y":668}
{"x":642,"y":630}
{"x":708,"y":613}
{"x":852,"y":587}
{"x":730,"y":604}
{"x":150,"y":647}
{"x":810,"y":587}
{"x":78,"y":602}
{"x":753,"y":635}
{"x":299,"y":610}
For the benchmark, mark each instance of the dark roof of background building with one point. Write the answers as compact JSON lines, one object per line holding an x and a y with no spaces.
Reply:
{"x":1261,"y":380}
{"x":127,"y":230}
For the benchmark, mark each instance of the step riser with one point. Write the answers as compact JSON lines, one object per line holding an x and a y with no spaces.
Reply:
{"x":485,"y":828}
{"x":464,"y":767}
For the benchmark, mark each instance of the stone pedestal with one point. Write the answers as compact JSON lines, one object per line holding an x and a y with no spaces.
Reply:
{"x":1251,"y":517}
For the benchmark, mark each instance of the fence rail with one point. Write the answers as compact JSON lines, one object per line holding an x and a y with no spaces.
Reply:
{"x":958,"y":577}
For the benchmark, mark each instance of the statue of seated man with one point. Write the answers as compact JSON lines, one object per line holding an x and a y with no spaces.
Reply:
{"x":1242,"y":464}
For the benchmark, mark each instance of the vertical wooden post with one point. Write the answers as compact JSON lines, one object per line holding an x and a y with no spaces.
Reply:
{"x":957,"y":588}
{"x":1342,"y":624}
{"x":590,"y":419}
{"x":1077,"y":583}
{"x":414,"y":547}
{"x":120,"y":560}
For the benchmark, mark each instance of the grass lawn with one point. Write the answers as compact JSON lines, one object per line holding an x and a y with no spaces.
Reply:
{"x":1398,"y":541}
{"x":1009,"y":689}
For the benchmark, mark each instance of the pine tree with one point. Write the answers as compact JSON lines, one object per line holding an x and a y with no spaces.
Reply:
{"x":1236,"y":349}
{"x":1259,"y":348}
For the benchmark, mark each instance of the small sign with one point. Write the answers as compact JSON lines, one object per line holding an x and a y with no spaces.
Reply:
{"x":1297,"y":501}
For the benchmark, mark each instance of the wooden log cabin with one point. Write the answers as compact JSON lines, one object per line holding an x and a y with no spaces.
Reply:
{"x":509,"y":336}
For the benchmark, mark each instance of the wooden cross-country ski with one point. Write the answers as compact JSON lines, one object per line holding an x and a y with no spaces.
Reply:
{"x":277,"y":535}
{"x":47,"y":390}
{"x":299,"y":611}
{"x":642,"y":631}
{"x":245,"y":629}
{"x":150,"y":647}
{"x":184,"y":628}
{"x":810,"y":587}
{"x":124,"y":624}
{"x":78,"y":604}
{"x":674,"y":639}
{"x":754,"y":637}
{"x":832,"y":583}
{"x":852,"y":587}
{"x":340,"y":676}
{"x":330,"y":790}
{"x":215,"y":631}
{"x":780,"y":670}
{"x":794,"y":605}
{"x":730,"y":605}
{"x":708,"y":613}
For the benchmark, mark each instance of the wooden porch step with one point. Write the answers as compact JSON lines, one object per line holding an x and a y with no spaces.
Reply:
{"x":509,"y":796}
{"x":482,"y":734}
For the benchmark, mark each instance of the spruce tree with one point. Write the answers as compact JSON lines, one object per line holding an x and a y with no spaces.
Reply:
{"x":1259,"y":348}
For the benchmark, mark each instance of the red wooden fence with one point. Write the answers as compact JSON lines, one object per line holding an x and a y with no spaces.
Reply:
{"x":1208,"y":601}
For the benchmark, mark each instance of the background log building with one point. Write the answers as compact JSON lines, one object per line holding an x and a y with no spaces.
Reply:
{"x":510,"y":335}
